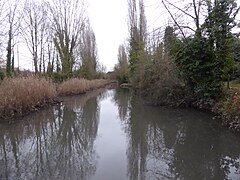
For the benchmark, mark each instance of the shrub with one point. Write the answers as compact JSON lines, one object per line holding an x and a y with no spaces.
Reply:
{"x":228,"y":108}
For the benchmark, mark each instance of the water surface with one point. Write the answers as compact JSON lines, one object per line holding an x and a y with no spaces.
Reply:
{"x":113,"y":135}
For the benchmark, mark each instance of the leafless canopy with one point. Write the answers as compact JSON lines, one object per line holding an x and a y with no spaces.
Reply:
{"x":68,"y":19}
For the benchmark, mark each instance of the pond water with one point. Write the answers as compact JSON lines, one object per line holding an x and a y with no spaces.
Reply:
{"x":113,"y":135}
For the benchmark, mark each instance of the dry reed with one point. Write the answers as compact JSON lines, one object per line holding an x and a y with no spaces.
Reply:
{"x":79,"y":86}
{"x":19,"y":96}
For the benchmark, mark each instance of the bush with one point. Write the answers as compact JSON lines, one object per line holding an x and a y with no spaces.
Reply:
{"x":122,"y":78}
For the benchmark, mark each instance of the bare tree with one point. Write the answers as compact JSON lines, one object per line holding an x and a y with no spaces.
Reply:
{"x":133,"y":17}
{"x":137,"y":20}
{"x":51,"y":55}
{"x":44,"y":37}
{"x":68,"y":19}
{"x":2,"y":12}
{"x":193,"y":12}
{"x":142,"y":23}
{"x":88,"y":51}
{"x":34,"y":31}
{"x":13,"y":22}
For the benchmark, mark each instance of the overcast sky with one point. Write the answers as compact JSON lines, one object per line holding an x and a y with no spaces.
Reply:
{"x":109,"y":20}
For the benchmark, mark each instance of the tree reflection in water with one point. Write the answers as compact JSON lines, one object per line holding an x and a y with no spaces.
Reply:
{"x":122,"y":98}
{"x":57,"y":143}
{"x":176,"y":144}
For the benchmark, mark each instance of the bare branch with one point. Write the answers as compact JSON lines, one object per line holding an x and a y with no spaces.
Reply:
{"x":68,"y":20}
{"x":174,"y":19}
{"x":188,"y":27}
{"x":179,"y":9}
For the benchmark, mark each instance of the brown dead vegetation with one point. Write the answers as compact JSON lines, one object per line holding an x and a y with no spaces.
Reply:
{"x":22,"y":95}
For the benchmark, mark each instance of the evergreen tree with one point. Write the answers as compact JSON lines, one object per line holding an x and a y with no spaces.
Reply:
{"x":204,"y":61}
{"x":169,"y":39}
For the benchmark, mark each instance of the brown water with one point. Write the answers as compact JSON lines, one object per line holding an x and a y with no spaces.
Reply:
{"x":113,"y":135}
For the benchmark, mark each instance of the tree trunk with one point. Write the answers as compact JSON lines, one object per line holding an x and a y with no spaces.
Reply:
{"x":9,"y":53}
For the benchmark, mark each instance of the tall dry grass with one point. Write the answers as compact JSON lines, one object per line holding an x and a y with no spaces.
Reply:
{"x":78,"y":86}
{"x":21,"y":95}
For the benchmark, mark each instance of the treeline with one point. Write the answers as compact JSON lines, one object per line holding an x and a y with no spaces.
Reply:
{"x":188,"y":62}
{"x":57,"y":33}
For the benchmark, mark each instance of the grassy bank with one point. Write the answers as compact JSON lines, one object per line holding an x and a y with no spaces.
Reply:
{"x":20,"y":96}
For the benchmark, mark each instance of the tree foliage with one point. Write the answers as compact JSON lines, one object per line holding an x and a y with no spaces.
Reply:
{"x":196,"y":63}
{"x":203,"y":58}
{"x":137,"y":28}
{"x":121,"y":69}
{"x":151,"y":66}
{"x":204,"y":61}
{"x":235,"y":73}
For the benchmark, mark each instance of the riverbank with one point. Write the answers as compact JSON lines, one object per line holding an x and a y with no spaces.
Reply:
{"x":21,"y":96}
{"x":226,"y":109}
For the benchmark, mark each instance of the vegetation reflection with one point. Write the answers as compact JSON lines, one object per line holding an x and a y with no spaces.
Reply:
{"x":175,"y":144}
{"x":57,"y":144}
